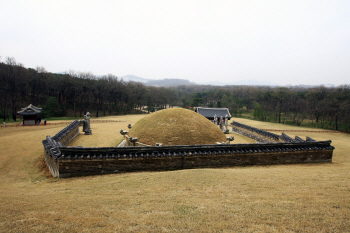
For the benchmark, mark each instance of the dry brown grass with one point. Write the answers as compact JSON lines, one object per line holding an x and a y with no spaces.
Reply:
{"x":176,"y":126}
{"x":281,"y":198}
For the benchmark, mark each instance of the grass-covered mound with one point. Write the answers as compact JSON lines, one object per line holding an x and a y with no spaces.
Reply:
{"x":176,"y":126}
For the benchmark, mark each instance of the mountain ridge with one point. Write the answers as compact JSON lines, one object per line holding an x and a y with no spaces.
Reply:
{"x":176,"y":82}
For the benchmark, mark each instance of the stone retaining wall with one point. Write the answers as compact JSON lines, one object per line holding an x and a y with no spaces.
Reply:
{"x":247,"y":133}
{"x":255,"y":133}
{"x":68,"y":133}
{"x":78,"y":161}
{"x":52,"y":145}
{"x":99,"y":166}
{"x":75,"y":161}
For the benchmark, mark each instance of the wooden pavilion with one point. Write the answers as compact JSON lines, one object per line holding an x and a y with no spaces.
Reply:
{"x":30,"y":114}
{"x":210,"y":113}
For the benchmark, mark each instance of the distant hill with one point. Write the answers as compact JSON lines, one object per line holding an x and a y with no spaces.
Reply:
{"x":169,"y":82}
{"x":177,"y":82}
{"x":161,"y":82}
{"x":134,"y":78}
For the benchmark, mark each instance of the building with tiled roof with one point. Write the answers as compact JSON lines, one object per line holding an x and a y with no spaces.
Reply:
{"x":211,"y":112}
{"x":30,"y":114}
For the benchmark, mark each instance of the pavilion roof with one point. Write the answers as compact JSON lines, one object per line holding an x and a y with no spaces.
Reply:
{"x":211,"y":112}
{"x":30,"y":110}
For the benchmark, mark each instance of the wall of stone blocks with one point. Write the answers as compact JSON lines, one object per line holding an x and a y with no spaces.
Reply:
{"x":63,"y":137}
{"x":75,"y":161}
{"x":51,"y":164}
{"x":70,"y":136}
{"x":99,"y":166}
{"x":252,"y":135}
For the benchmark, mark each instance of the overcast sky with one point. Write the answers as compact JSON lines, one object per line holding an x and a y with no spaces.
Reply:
{"x":284,"y":42}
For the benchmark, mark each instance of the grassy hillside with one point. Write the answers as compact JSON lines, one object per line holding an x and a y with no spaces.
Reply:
{"x":288,"y":198}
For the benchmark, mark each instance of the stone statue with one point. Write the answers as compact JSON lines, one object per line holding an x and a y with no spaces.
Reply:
{"x":221,"y":123}
{"x":86,"y":125}
{"x":226,"y":123}
{"x":215,"y":120}
{"x":122,"y":132}
{"x":230,"y":139}
{"x":133,"y":140}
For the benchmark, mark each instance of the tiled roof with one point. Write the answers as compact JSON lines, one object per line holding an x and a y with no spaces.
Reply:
{"x":211,"y":112}
{"x":30,"y":110}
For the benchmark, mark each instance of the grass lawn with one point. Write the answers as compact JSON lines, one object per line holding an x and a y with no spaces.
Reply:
{"x":279,"y":198}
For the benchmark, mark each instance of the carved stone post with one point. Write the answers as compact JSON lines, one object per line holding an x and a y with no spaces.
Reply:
{"x":215,"y":120}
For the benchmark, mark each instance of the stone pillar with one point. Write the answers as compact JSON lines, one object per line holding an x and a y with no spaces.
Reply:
{"x":215,"y":120}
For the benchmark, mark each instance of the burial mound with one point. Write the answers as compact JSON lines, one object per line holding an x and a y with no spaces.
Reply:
{"x":176,"y":126}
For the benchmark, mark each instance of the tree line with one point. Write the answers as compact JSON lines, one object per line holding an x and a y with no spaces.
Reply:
{"x":320,"y":106}
{"x":74,"y":93}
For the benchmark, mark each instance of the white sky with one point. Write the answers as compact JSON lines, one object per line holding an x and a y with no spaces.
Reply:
{"x":284,"y":42}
